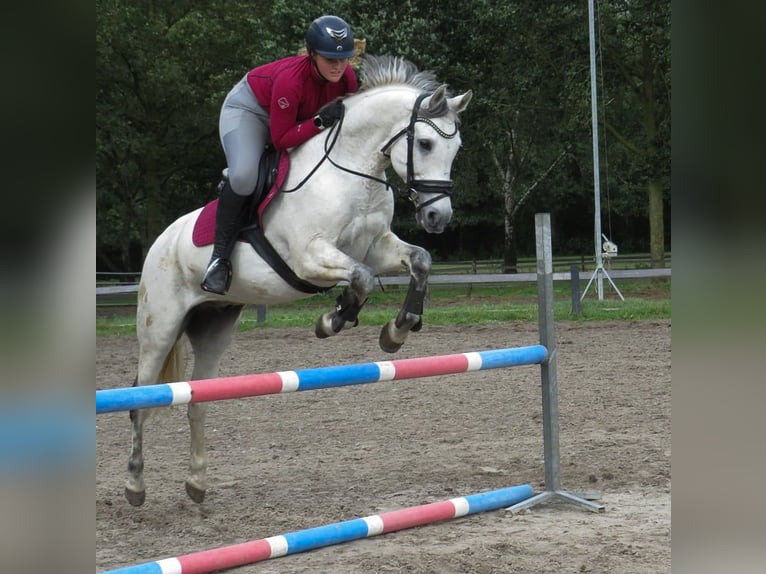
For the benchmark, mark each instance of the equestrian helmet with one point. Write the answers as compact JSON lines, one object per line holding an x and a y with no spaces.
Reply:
{"x":331,"y":37}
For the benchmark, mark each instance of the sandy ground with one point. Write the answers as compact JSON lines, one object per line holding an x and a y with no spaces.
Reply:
{"x":287,"y":462}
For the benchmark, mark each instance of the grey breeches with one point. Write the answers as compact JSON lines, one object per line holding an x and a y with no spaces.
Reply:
{"x":244,"y":131}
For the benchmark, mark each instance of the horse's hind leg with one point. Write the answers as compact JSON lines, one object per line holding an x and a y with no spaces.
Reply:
{"x":210,"y":330}
{"x":135,"y":489}
{"x":164,"y":363}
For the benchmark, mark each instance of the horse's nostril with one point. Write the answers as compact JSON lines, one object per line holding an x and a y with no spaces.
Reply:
{"x":434,"y":220}
{"x":436,"y":217}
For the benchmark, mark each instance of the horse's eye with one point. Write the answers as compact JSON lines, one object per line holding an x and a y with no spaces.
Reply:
{"x":424,"y":144}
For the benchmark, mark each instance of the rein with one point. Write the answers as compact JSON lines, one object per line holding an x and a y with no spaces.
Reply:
{"x":328,"y":145}
{"x":324,"y":157}
{"x":413,"y":186}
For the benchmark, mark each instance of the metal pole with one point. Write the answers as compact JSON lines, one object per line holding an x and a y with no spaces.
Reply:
{"x":599,"y":272}
{"x":548,"y":375}
{"x":574,"y":281}
{"x":547,"y":330}
{"x":596,"y":167}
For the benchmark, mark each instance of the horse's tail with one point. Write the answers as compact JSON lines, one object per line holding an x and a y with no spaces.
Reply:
{"x":174,"y":368}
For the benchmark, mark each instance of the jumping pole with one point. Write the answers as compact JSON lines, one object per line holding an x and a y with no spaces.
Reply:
{"x":511,"y":498}
{"x":226,"y":557}
{"x":548,"y":375}
{"x":169,"y":394}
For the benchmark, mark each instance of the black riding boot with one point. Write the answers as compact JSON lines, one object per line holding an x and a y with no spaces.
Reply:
{"x":228,"y":219}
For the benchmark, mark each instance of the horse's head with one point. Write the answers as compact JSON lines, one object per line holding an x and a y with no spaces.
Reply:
{"x":423,"y":159}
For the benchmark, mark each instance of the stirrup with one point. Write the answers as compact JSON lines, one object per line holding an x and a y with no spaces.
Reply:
{"x":217,"y":277}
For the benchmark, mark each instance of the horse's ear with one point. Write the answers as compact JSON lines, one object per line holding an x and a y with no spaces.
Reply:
{"x":434,"y":100}
{"x":460,"y":103}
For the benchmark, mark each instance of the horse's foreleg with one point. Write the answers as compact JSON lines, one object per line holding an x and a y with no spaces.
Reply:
{"x":344,"y":316}
{"x":324,"y":262}
{"x":388,"y":254}
{"x":410,"y":317}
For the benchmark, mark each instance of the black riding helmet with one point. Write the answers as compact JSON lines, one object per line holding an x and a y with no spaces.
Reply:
{"x":331,"y":37}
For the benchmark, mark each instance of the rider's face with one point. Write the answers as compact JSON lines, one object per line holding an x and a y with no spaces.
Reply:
{"x":331,"y":69}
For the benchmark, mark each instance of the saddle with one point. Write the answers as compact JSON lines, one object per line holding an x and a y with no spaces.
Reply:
{"x":272,"y":172}
{"x":270,"y":168}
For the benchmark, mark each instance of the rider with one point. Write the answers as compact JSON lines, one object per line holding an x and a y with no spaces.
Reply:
{"x":283,"y":103}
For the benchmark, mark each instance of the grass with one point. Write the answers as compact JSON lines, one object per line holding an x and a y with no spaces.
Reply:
{"x":478,"y":304}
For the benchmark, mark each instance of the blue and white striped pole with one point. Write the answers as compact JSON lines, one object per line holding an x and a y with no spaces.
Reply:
{"x":168,"y":394}
{"x":208,"y":561}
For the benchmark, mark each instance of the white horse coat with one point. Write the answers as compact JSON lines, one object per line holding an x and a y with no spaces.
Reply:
{"x":336,"y":226}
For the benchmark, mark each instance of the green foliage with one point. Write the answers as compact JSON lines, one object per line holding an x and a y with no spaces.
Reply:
{"x":164,"y":67}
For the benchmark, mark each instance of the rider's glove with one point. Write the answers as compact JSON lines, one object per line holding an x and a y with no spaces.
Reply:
{"x":329,"y":114}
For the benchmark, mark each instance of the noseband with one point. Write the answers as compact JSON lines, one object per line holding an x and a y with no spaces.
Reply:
{"x":443,"y":188}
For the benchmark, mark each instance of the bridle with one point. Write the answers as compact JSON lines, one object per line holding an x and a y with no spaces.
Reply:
{"x":413,"y":187}
{"x":443,"y":188}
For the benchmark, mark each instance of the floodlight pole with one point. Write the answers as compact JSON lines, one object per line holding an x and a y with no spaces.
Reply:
{"x":599,"y":272}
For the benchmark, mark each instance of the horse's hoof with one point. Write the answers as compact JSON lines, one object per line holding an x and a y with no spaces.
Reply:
{"x":323,"y":328}
{"x":135,"y":498}
{"x":387,"y":340}
{"x":196,"y":494}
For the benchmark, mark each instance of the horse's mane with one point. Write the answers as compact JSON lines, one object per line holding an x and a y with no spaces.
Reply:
{"x":377,"y":71}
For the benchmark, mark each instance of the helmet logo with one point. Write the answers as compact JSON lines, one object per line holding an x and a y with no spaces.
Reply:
{"x":337,"y":35}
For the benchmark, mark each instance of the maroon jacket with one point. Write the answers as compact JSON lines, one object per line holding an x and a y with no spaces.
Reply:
{"x":291,"y":91}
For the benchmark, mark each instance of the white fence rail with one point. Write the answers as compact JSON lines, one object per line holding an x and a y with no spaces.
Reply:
{"x":458,"y":279}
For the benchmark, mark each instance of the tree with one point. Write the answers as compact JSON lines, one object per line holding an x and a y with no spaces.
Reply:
{"x":523,"y":61}
{"x":163,"y":68}
{"x":636,"y":54}
{"x":507,"y":172}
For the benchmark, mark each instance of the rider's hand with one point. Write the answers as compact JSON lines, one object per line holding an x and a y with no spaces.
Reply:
{"x":329,"y":114}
